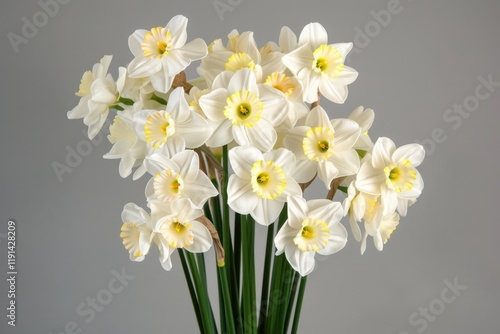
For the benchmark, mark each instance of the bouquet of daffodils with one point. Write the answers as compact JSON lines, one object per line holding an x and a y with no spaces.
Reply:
{"x":234,"y":150}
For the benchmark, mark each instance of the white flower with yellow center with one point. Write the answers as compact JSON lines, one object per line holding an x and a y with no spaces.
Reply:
{"x":320,"y":65}
{"x":241,"y":52}
{"x":291,"y":88}
{"x":392,"y":174}
{"x":136,"y":231}
{"x":97,"y":93}
{"x":324,"y":147}
{"x":239,"y":109}
{"x":160,"y":128}
{"x":162,"y":53}
{"x":261,"y":182}
{"x":364,"y":118}
{"x":312,"y":227}
{"x":178,"y":228}
{"x":178,"y":177}
{"x":126,"y":146}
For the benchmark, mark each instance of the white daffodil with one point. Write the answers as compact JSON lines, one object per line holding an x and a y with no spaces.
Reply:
{"x":364,"y":118}
{"x":324,"y":147}
{"x":126,"y":145}
{"x":178,"y":228}
{"x":312,"y":227}
{"x":320,"y":65}
{"x":392,"y":174}
{"x":159,"y":128}
{"x":290,"y":87}
{"x":272,"y":53}
{"x":162,"y":53}
{"x":240,"y":52}
{"x":136,"y":231}
{"x":178,"y":177}
{"x":261,"y":182}
{"x":98,"y":92}
{"x":132,"y":88}
{"x":239,"y":109}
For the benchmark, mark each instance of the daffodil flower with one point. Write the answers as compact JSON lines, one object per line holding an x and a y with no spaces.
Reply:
{"x":324,"y":147}
{"x":136,"y":231}
{"x":392,"y":174}
{"x":178,"y":177}
{"x":261,"y":182}
{"x":312,"y":227}
{"x":320,"y":65}
{"x":162,"y":53}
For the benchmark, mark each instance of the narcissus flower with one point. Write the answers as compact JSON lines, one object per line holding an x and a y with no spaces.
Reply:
{"x":178,"y":177}
{"x":312,"y":227}
{"x":261,"y":182}
{"x":320,"y":65}
{"x":324,"y":147}
{"x":162,"y":53}
{"x":178,"y":228}
{"x":392,"y":174}
{"x":239,"y":109}
{"x":136,"y":231}
{"x":98,"y":92}
{"x":159,"y":128}
{"x":364,"y":118}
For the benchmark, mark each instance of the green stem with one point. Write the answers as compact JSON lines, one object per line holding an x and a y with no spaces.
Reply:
{"x":158,"y":99}
{"x":250,"y":317}
{"x":205,"y":308}
{"x":291,"y":302}
{"x":298,"y":307}
{"x":265,"y":278}
{"x":125,"y":101}
{"x":228,"y":311}
{"x":192,"y":292}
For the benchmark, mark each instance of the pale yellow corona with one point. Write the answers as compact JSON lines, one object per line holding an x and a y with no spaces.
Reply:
{"x":168,"y":185}
{"x":328,"y":61}
{"x":313,"y":236}
{"x":238,"y":61}
{"x":159,"y":126}
{"x":85,"y":84}
{"x":400,"y":176}
{"x":157,"y":43}
{"x":178,"y":234}
{"x":281,"y":82}
{"x":318,"y":143}
{"x":130,"y":235}
{"x":268,"y":179}
{"x":243,"y":108}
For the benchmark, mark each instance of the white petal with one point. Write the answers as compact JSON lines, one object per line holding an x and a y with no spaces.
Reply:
{"x":347,"y":133}
{"x":327,"y":171}
{"x":305,"y":170}
{"x":200,"y":189}
{"x":222,"y":134}
{"x":177,"y":26}
{"x":244,"y":79}
{"x":267,"y":211}
{"x":213,"y":104}
{"x":326,"y":210}
{"x":240,"y":195}
{"x":262,"y":135}
{"x":332,"y":91}
{"x":134,"y":214}
{"x":284,"y":236}
{"x":310,"y":83}
{"x":143,"y":67}
{"x":314,"y":34}
{"x":293,"y":141}
{"x":337,"y":240}
{"x":194,"y":50}
{"x":287,"y":40}
{"x":318,"y":117}
{"x":370,"y":179}
{"x":343,"y":48}
{"x":162,"y":81}
{"x":346,"y":77}
{"x":413,"y":152}
{"x":347,"y":162}
{"x":134,"y":42}
{"x":126,"y":164}
{"x":382,"y":152}
{"x":202,"y":239}
{"x":389,"y":200}
{"x":242,"y":160}
{"x":298,"y":59}
{"x":302,"y":262}
{"x":195,"y":130}
{"x":283,"y":158}
{"x":188,"y":163}
{"x":297,"y":211}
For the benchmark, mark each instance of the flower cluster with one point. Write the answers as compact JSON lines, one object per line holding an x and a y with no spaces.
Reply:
{"x":262,"y":107}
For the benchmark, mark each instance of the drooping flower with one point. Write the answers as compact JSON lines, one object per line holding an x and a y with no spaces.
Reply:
{"x":320,"y":65}
{"x":159,"y":127}
{"x":97,"y":93}
{"x":239,"y":109}
{"x":261,"y":182}
{"x":136,"y":231}
{"x":312,"y":227}
{"x":392,"y":174}
{"x":178,"y":228}
{"x":126,"y":146}
{"x":324,"y":147}
{"x":178,"y":177}
{"x":162,"y":53}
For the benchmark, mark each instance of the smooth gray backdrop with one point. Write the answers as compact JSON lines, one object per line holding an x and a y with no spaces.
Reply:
{"x":412,"y":70}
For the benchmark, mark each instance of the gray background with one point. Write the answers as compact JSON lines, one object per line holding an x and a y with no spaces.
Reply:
{"x":428,"y":58}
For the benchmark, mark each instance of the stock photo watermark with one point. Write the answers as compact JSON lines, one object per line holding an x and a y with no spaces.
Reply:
{"x":424,"y":316}
{"x":455,"y":116}
{"x":11,"y":273}
{"x":74,"y":156}
{"x":32,"y":24}
{"x":88,"y":310}
{"x":223,"y":6}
